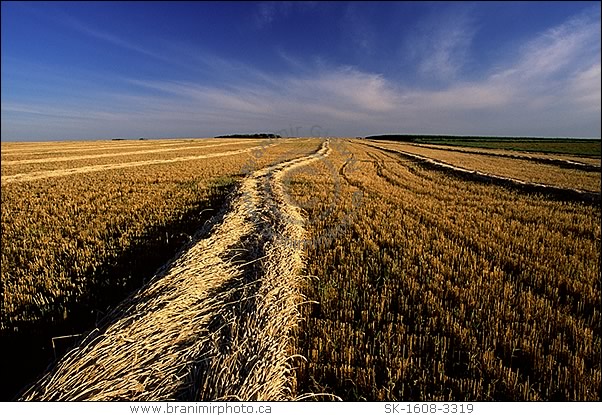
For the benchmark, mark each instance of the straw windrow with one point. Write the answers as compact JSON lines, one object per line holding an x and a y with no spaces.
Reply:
{"x":214,"y":323}
{"x":552,"y":191}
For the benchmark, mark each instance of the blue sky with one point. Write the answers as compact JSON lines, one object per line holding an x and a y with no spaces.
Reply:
{"x":89,"y":70}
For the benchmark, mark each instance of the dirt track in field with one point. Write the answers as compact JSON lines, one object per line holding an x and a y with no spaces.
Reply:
{"x":214,"y":323}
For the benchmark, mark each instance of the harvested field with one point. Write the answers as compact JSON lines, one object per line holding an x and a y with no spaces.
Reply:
{"x":525,"y":170}
{"x":28,"y":170}
{"x":233,"y":329}
{"x":430,"y":287}
{"x":575,"y":162}
{"x":20,"y":149}
{"x":50,"y":216}
{"x":296,"y":269}
{"x":551,"y":191}
{"x":577,"y":147}
{"x":84,"y":167}
{"x":76,"y":245}
{"x":114,"y":154}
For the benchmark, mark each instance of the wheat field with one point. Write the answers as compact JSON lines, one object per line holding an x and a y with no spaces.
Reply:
{"x":287,"y":269}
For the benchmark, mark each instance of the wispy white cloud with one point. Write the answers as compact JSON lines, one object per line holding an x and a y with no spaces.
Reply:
{"x":68,"y":20}
{"x":561,"y":48}
{"x":462,"y":97}
{"x":121,"y":42}
{"x":440,"y":44}
{"x":584,"y":88}
{"x":551,"y":87}
{"x":348,"y":88}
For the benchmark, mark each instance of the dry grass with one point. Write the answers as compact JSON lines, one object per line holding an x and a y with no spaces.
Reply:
{"x":207,"y":326}
{"x":551,"y":191}
{"x":259,"y":326}
{"x":17,"y":150}
{"x":526,"y":170}
{"x":435,"y":288}
{"x":105,"y":154}
{"x":31,"y":172}
{"x":542,"y":157}
{"x":58,"y":233}
{"x":424,"y":286}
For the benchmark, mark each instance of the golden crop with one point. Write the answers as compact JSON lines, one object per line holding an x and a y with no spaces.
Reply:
{"x":34,"y":166}
{"x":420,"y":285}
{"x":590,"y":160}
{"x":214,"y":322}
{"x":63,"y":237}
{"x":526,"y":170}
{"x":434,"y":288}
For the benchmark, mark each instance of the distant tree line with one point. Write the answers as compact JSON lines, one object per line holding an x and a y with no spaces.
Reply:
{"x":257,"y":135}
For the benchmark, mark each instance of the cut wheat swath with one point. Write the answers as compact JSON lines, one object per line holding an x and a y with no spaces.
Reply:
{"x":117,"y":154}
{"x":26,"y":177}
{"x":215,"y":323}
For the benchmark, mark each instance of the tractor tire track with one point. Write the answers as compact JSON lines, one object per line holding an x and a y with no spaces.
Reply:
{"x":214,"y":323}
